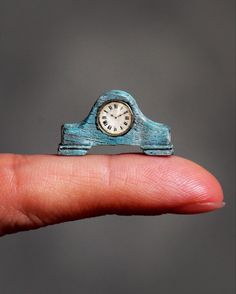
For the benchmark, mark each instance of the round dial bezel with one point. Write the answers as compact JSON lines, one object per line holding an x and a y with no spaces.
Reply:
{"x":107,"y":132}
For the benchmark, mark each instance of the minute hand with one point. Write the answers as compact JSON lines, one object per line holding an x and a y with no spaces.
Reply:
{"x":122,"y":113}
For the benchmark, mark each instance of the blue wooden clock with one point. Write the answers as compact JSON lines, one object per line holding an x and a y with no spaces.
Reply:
{"x":115,"y":119}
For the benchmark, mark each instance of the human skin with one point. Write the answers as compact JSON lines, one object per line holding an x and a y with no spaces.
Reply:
{"x":40,"y":190}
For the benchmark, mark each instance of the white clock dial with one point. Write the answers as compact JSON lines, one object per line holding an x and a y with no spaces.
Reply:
{"x":115,"y":118}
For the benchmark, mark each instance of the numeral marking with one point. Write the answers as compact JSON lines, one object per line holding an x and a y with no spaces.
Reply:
{"x":110,"y":107}
{"x":121,"y":127}
{"x":127,"y":117}
{"x":109,"y":127}
{"x":105,"y":122}
{"x":115,"y":129}
{"x":104,"y":117}
{"x":125,"y":123}
{"x":115,"y":106}
{"x":105,"y":111}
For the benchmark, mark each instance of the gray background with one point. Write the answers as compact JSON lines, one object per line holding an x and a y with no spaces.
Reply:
{"x":177,"y":58}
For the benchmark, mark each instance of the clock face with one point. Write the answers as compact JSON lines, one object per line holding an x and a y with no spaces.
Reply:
{"x":115,"y":118}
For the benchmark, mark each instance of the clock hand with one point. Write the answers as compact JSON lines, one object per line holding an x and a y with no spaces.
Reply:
{"x":104,"y":117}
{"x":122,"y":113}
{"x":110,"y":114}
{"x":113,"y":115}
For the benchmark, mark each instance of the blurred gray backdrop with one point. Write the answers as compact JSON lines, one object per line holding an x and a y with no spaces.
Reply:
{"x":177,"y":59}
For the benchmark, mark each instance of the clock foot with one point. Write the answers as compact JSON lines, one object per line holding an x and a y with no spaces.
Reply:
{"x":73,"y":150}
{"x":160,"y":152}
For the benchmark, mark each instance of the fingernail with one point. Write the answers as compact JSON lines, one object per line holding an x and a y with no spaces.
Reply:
{"x":200,"y":207}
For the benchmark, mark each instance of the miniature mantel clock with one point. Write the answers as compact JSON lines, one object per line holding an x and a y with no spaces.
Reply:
{"x":115,"y":119}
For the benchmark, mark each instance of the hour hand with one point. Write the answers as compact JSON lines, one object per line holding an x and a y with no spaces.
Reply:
{"x":110,"y":114}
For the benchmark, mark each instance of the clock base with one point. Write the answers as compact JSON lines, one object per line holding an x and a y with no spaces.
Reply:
{"x":162,"y":152}
{"x":72,"y":150}
{"x":76,"y":150}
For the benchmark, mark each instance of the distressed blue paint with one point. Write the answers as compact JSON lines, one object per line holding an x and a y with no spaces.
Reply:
{"x":152,"y":137}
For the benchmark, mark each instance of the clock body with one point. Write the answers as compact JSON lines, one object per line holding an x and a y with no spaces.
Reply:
{"x":115,"y":119}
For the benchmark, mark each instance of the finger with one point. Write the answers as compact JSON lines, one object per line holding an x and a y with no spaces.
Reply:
{"x":39,"y":190}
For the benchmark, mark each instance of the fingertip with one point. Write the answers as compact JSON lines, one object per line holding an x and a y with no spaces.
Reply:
{"x":163,"y":185}
{"x":203,"y":189}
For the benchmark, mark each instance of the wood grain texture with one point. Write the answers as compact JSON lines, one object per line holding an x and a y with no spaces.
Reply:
{"x":152,"y":137}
